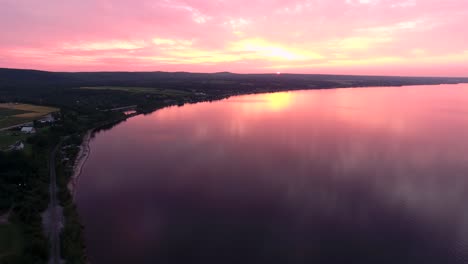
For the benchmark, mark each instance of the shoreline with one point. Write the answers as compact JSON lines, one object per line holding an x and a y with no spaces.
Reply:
{"x":82,"y":157}
{"x":85,"y":149}
{"x":79,"y":163}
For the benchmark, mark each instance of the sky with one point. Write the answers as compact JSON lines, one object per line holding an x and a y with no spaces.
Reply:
{"x":375,"y":37}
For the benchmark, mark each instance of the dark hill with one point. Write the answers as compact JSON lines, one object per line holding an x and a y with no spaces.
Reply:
{"x":60,"y":88}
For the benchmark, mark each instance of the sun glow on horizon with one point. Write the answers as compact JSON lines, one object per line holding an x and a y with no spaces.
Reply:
{"x":392,"y":37}
{"x":278,"y":101}
{"x":271,"y":102}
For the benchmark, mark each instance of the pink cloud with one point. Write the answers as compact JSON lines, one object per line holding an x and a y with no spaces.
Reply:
{"x":400,"y":37}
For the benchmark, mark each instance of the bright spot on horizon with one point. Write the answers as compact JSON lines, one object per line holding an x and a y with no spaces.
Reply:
{"x":278,"y":101}
{"x":271,"y":102}
{"x":278,"y":73}
{"x":394,"y":37}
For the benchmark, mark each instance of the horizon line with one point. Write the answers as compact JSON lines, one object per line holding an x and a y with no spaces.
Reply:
{"x":236,"y":73}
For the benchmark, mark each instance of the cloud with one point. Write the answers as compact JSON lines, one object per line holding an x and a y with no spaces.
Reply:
{"x":404,"y":4}
{"x":197,"y":15}
{"x":221,"y":35}
{"x":362,"y":2}
{"x":361,"y":43}
{"x":237,"y":23}
{"x":172,"y":42}
{"x":257,"y":48}
{"x":107,"y":45}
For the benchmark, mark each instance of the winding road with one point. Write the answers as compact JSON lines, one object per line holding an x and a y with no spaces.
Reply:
{"x":55,"y":212}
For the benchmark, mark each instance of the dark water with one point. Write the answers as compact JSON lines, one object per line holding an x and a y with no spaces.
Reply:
{"x":371,"y":175}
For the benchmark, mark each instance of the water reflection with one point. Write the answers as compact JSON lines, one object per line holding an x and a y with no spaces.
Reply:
{"x":371,"y":175}
{"x":278,"y":101}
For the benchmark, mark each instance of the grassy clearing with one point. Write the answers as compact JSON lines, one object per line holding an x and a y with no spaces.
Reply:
{"x":147,"y":90}
{"x":11,"y":243}
{"x":11,"y":112}
{"x":38,"y":109}
{"x":8,"y":138}
{"x":13,"y":121}
{"x":221,"y":82}
{"x":342,"y":82}
{"x":14,"y":114}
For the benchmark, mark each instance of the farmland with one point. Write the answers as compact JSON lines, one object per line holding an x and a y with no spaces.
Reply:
{"x":157,"y":91}
{"x":15,"y":114}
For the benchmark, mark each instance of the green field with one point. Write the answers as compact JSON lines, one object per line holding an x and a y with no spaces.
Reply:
{"x":8,"y":138}
{"x":11,"y":243}
{"x":169,"y":92}
{"x":14,"y":114}
{"x":12,"y":121}
{"x":221,"y":82}
{"x":10,"y":112}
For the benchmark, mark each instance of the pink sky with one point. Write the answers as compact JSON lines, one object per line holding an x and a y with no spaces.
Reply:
{"x":388,"y":37}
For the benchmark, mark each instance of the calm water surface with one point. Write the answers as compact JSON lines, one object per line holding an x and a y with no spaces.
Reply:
{"x":368,"y":175}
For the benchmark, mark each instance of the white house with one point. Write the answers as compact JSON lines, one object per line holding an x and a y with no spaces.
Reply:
{"x":47,"y":119}
{"x":28,"y":130}
{"x":17,"y":146}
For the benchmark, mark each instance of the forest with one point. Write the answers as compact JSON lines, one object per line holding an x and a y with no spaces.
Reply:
{"x":88,"y":91}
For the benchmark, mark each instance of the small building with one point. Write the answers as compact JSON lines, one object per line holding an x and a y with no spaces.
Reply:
{"x":17,"y":146}
{"x":28,"y":130}
{"x":47,"y":119}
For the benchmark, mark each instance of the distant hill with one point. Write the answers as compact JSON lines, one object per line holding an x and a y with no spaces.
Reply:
{"x":60,"y":88}
{"x":33,"y":79}
{"x":41,"y":81}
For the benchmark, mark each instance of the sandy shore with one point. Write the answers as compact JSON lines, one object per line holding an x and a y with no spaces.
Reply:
{"x":80,"y":161}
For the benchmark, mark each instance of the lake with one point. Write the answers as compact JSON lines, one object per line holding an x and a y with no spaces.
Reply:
{"x":357,"y":175}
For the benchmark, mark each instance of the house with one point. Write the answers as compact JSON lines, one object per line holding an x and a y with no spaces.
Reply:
{"x":28,"y":130}
{"x":47,"y":119}
{"x":17,"y":146}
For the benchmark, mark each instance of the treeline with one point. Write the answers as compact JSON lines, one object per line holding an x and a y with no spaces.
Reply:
{"x":24,"y":188}
{"x":62,"y":89}
{"x":74,"y":125}
{"x":24,"y":182}
{"x":71,"y":238}
{"x":40,"y":80}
